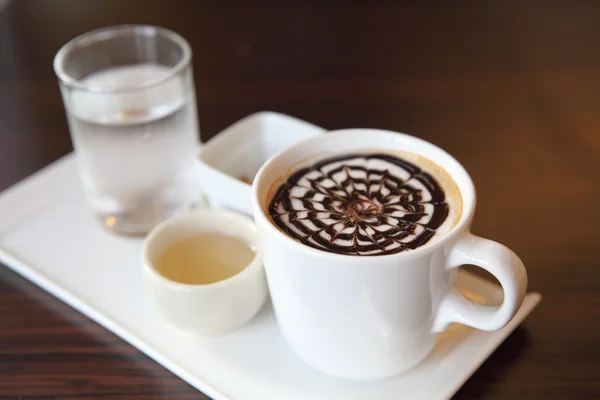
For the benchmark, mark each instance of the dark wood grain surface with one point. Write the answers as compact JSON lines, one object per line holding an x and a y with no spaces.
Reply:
{"x":511,"y":89}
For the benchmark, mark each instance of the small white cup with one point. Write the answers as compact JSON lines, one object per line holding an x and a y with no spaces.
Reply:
{"x":213,"y":308}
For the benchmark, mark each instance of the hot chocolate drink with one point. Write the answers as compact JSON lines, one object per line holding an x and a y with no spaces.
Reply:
{"x":367,"y":204}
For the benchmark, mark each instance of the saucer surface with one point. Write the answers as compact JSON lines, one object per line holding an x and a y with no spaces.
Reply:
{"x":48,"y":239}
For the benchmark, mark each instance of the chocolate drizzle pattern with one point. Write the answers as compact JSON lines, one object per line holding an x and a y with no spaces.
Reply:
{"x":360,"y":204}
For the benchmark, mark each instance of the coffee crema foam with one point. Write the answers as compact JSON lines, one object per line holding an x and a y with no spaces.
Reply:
{"x":367,"y":204}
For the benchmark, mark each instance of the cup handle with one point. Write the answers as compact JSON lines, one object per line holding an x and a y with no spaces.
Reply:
{"x":501,"y":262}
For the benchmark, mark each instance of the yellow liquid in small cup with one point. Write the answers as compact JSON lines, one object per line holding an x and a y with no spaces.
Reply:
{"x":205,"y":258}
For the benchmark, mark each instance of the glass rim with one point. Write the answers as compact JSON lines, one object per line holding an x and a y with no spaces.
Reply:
{"x":115,"y":31}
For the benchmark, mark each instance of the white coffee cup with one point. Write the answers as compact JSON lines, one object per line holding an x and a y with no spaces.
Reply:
{"x":371,"y":317}
{"x":208,"y":309}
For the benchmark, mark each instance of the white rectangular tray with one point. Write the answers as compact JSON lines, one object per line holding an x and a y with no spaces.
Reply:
{"x":48,"y":235}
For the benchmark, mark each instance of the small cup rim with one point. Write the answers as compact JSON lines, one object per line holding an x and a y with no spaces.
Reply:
{"x":169,"y":223}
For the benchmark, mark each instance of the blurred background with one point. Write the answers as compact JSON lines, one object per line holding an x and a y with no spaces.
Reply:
{"x":512,"y":89}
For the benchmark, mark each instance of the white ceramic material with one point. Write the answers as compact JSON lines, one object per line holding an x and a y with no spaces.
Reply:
{"x":240,"y":150}
{"x":365,"y":318}
{"x":48,"y":235}
{"x":205,"y":309}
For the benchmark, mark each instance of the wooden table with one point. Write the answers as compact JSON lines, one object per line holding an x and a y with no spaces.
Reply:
{"x":512,"y":90}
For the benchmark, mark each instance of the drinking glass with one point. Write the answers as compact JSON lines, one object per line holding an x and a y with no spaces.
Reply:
{"x":130,"y":102}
